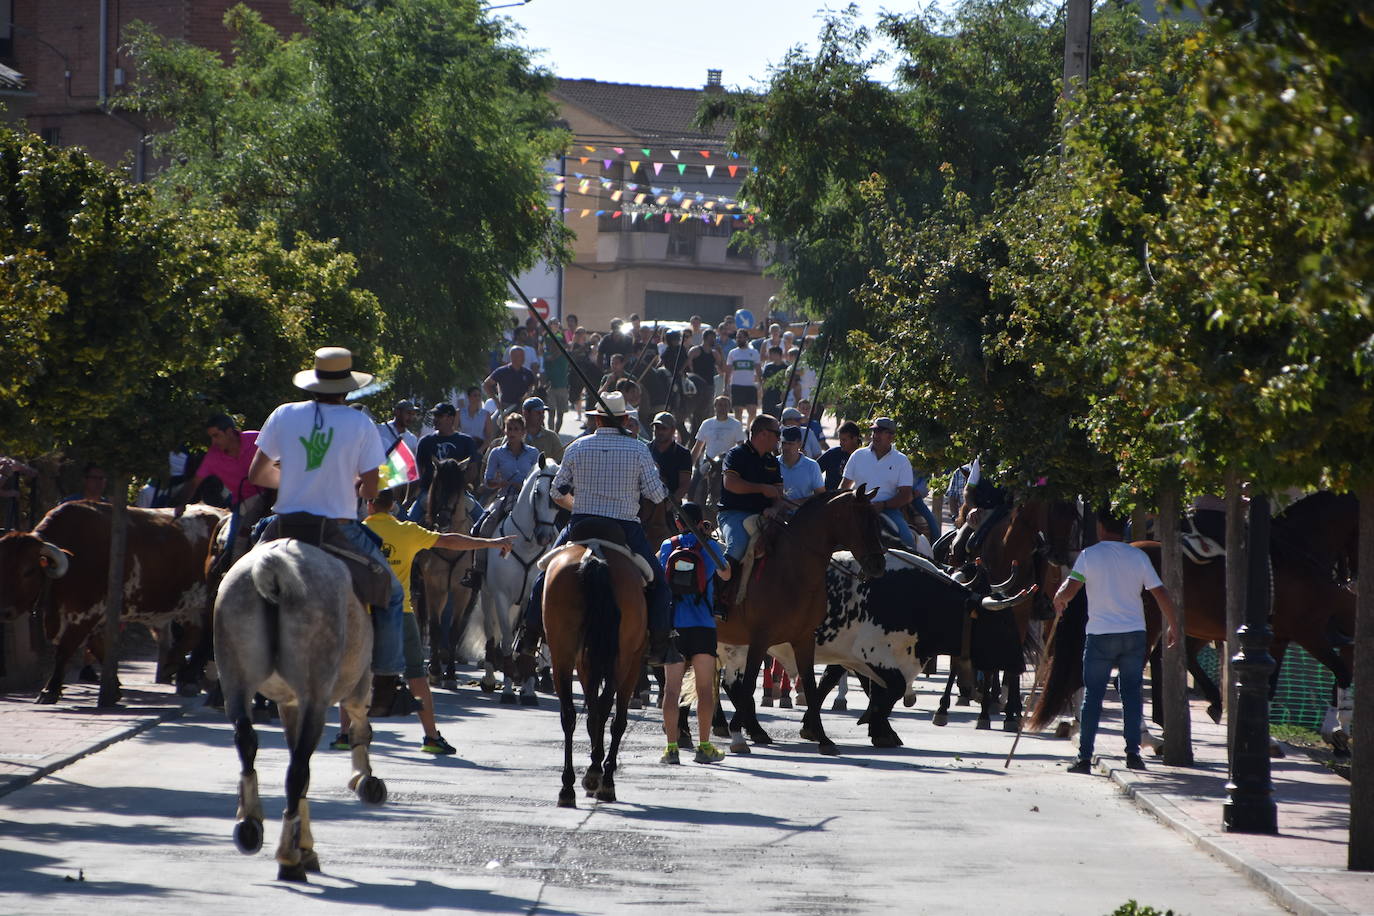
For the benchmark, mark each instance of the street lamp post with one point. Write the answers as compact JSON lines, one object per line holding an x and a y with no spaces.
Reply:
{"x":1249,"y":807}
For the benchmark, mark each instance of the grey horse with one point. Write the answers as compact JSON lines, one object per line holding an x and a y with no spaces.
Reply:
{"x":288,"y":625}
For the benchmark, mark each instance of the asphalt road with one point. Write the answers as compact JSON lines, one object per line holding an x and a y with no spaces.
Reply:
{"x":935,"y":827}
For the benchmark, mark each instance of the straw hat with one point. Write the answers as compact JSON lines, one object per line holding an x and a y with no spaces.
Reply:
{"x":615,"y":405}
{"x":332,"y":373}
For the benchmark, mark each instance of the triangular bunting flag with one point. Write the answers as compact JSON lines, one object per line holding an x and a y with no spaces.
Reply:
{"x":648,"y":153}
{"x":681,"y":168}
{"x":675,"y":152}
{"x":639,"y":198}
{"x":634,"y":166}
{"x":634,"y":217}
{"x":619,"y":150}
{"x":710,"y":170}
{"x":584,"y":214}
{"x":719,"y":217}
{"x":583,"y":160}
{"x":667,"y":217}
{"x":616,"y":214}
{"x":706,"y":154}
{"x":615,"y":195}
{"x":733,"y":169}
{"x":606,"y":164}
{"x":590,"y":149}
{"x":658,"y":167}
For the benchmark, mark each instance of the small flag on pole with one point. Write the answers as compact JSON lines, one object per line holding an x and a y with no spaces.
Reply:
{"x":399,"y":469}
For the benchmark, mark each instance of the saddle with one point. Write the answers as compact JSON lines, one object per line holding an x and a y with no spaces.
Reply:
{"x":371,"y":579}
{"x":1198,"y":547}
{"x":599,"y":546}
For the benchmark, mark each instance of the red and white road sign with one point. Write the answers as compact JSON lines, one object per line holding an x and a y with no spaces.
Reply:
{"x":541,"y":308}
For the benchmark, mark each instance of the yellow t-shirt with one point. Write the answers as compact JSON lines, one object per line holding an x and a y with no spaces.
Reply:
{"x":401,"y":541}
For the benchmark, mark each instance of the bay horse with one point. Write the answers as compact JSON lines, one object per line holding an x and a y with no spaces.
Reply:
{"x":595,"y":624}
{"x":288,"y":625}
{"x":447,"y":602}
{"x":1307,"y":607}
{"x":786,"y":601}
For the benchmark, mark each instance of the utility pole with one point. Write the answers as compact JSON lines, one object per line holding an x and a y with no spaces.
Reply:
{"x":1078,"y":35}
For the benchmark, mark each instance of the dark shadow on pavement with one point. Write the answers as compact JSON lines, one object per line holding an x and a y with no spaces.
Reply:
{"x":416,"y":896}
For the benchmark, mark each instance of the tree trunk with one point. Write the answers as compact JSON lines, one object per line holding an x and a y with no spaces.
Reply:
{"x":1140,"y":523}
{"x":1361,"y":850}
{"x":114,"y":590}
{"x":1237,"y":576}
{"x":1178,"y":724}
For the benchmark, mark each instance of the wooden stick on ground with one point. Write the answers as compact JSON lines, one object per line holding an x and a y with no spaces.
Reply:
{"x":1039,"y":681}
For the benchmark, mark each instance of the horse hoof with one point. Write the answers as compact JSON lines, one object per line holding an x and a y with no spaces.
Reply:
{"x":605,"y":793}
{"x":737,"y":743}
{"x":248,"y":836}
{"x":886,"y":741}
{"x":940,"y":718}
{"x":591,"y":782}
{"x":807,"y":733}
{"x":48,"y":697}
{"x":450,"y":683}
{"x":766,"y":702}
{"x":864,"y":719}
{"x":829,"y":749}
{"x":486,"y":688}
{"x":720,"y":731}
{"x":292,"y":873}
{"x":760,"y":737}
{"x":310,"y":861}
{"x":529,"y":699}
{"x":1062,"y":730}
{"x":840,"y":706}
{"x":1011,"y":725}
{"x":636,"y":702}
{"x":984,"y":725}
{"x":188,"y":689}
{"x":508,"y":699}
{"x":1214,"y":711}
{"x":963,"y":701}
{"x":909,"y":700}
{"x":785,"y":703}
{"x":372,"y":790}
{"x":567,"y":799}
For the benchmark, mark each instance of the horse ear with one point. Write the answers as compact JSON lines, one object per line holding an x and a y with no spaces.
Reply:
{"x":464,"y":463}
{"x":861,"y":493}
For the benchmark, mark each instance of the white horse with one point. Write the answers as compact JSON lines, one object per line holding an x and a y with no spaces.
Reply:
{"x":288,"y":625}
{"x":506,"y":587}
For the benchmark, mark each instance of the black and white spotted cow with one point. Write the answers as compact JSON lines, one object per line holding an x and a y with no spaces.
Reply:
{"x":881,"y":628}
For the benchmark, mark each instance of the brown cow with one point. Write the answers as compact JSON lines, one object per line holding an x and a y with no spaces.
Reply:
{"x":60,"y":569}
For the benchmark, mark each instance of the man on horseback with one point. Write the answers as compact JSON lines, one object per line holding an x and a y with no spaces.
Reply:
{"x":604,"y":476}
{"x":321,"y":455}
{"x":751,"y":484}
{"x":887,"y":471}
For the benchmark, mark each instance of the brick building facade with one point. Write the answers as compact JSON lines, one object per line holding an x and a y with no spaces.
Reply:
{"x":67,"y":62}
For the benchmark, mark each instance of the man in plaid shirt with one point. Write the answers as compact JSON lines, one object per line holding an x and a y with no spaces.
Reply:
{"x":604,"y":475}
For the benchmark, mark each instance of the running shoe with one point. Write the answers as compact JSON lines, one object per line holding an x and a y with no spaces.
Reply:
{"x":340,"y":742}
{"x":1081,"y":766}
{"x":670,"y":755}
{"x":437,"y":745}
{"x":709,"y":753}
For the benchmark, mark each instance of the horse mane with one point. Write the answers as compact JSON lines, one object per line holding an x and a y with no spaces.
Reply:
{"x":815,"y":505}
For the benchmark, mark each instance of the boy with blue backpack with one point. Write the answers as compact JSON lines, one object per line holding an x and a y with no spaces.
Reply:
{"x":691,"y":568}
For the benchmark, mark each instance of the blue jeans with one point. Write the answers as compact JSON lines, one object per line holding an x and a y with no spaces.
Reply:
{"x":388,"y":623}
{"x":731,"y":522}
{"x":903,"y":529}
{"x":1101,"y":653}
{"x":660,"y":599}
{"x":931,"y":520}
{"x":417,"y":508}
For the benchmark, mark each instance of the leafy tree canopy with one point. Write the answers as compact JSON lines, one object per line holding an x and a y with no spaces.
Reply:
{"x":414,"y":132}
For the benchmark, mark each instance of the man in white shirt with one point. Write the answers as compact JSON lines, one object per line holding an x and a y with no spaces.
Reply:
{"x":744,"y":364}
{"x":880,"y":466}
{"x":398,"y":428}
{"x":1115,"y":575}
{"x":719,"y":434}
{"x":321,"y":455}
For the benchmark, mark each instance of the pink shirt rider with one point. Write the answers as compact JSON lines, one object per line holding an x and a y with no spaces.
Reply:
{"x":232,"y":471}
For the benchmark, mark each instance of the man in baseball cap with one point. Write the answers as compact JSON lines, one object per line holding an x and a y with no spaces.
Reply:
{"x":881,"y":467}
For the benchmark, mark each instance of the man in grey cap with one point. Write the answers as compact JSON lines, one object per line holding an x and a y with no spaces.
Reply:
{"x":881,"y":467}
{"x":810,"y":445}
{"x":397,"y":429}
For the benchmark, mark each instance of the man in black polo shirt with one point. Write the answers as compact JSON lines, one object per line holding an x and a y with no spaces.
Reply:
{"x":751,"y":483}
{"x":674,"y":462}
{"x":833,"y":461}
{"x":445,"y":442}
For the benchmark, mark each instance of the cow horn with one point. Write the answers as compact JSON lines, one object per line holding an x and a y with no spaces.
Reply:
{"x":1002,"y":587}
{"x":57,"y":560}
{"x":991,"y":603}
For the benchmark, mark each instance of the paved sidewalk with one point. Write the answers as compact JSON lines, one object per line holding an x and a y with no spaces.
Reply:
{"x":1303,"y":866}
{"x":37,"y":740}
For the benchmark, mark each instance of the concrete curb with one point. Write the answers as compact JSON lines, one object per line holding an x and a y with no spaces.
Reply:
{"x":1286,"y":890}
{"x":12,"y":783}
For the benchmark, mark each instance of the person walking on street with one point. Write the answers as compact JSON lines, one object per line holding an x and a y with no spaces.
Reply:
{"x":1114,"y":574}
{"x":401,"y":541}
{"x":882,"y":468}
{"x":509,"y":383}
{"x":693,"y":588}
{"x":744,"y":362}
{"x":719,"y":434}
{"x":674,"y":462}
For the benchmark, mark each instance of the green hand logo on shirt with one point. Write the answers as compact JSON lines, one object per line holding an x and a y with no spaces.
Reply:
{"x":316,"y":447}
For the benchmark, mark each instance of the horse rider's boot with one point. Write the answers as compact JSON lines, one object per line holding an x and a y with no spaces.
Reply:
{"x":726,"y":591}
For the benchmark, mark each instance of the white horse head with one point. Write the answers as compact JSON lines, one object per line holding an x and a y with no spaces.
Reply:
{"x":535,"y":511}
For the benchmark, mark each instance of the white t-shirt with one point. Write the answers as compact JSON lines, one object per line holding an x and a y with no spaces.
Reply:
{"x":720,"y":435}
{"x":475,"y":425}
{"x":743,"y":363}
{"x":386,"y":432}
{"x":1114,"y":575}
{"x":319,"y":463}
{"x":887,"y":473}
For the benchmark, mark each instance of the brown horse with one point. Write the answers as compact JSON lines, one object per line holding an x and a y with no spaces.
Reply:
{"x":595,"y":622}
{"x":440,"y":572}
{"x":1307,"y":608}
{"x":786,"y":601}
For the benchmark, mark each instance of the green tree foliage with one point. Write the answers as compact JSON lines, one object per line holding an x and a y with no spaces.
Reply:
{"x":414,"y":132}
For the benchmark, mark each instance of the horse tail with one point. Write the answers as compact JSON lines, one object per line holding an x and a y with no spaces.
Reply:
{"x":1066,"y":663}
{"x":277,"y":578}
{"x":601,"y":624}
